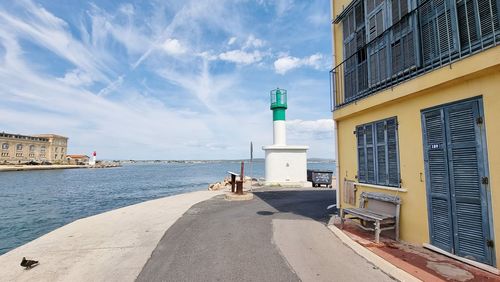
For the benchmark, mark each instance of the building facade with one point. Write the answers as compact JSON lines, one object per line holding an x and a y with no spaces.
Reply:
{"x":77,"y":159}
{"x":19,"y":149}
{"x":415,"y":99}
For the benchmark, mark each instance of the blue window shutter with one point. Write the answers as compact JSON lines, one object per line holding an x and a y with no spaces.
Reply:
{"x":380,"y":129}
{"x":392,"y":149}
{"x":370,"y":154}
{"x":436,"y":29}
{"x":438,"y":190}
{"x":471,"y":220}
{"x":360,"y":134}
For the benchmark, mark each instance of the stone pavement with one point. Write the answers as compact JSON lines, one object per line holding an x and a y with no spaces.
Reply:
{"x":280,"y":235}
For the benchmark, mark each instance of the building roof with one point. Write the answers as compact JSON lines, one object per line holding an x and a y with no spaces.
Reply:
{"x":50,"y":135}
{"x":77,"y":156}
{"x":20,"y":136}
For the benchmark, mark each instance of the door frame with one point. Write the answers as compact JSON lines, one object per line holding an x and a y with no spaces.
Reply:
{"x":484,"y":153}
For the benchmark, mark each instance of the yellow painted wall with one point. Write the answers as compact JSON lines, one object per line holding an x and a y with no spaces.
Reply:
{"x":477,"y":75}
{"x":414,"y":221}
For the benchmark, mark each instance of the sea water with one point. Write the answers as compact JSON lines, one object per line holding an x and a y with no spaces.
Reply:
{"x":33,"y":203}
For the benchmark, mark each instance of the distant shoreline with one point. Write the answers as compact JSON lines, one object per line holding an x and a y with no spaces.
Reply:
{"x":38,"y":167}
{"x":51,"y":167}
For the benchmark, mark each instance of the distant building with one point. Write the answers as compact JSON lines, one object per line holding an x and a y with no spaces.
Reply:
{"x":18,"y":149}
{"x":77,"y":159}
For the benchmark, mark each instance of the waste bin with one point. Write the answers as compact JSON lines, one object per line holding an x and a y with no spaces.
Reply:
{"x":320,"y":177}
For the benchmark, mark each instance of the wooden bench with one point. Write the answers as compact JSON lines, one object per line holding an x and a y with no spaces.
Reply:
{"x":377,"y":212}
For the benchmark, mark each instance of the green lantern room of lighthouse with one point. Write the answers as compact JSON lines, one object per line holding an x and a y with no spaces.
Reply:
{"x":278,"y":104}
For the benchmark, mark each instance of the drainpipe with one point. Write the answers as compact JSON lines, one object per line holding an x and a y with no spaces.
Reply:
{"x":335,"y":132}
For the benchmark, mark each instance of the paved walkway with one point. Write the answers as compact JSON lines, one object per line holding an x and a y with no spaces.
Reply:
{"x":277,"y":236}
{"x":112,"y":246}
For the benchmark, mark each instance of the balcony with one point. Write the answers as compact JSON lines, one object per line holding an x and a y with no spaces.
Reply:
{"x":433,"y":34}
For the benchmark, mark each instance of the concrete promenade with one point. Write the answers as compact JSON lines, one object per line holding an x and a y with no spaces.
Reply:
{"x":280,"y":235}
{"x":112,"y":246}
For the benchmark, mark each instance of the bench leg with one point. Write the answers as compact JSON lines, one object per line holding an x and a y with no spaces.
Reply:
{"x":342,"y":219}
{"x":377,"y":231}
{"x":397,"y":230}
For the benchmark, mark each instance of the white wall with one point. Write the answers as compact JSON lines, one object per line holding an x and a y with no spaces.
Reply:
{"x":286,"y":165}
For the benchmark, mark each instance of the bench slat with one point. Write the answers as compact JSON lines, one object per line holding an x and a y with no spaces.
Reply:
{"x":368,"y":213}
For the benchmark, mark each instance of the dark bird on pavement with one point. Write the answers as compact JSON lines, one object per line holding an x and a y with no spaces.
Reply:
{"x":27,"y":263}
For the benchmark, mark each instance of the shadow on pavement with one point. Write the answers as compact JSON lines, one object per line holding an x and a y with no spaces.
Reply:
{"x":308,"y":203}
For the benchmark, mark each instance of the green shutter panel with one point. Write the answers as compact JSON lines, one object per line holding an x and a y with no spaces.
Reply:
{"x":360,"y":133}
{"x":471,"y":217}
{"x":438,"y":190}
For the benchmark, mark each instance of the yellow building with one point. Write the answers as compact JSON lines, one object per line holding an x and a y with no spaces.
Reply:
{"x":416,"y":103}
{"x":18,"y":149}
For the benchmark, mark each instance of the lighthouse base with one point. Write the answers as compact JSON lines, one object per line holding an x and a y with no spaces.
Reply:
{"x":286,"y":166}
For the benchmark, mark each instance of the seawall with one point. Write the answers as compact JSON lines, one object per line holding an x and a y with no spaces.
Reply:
{"x":38,"y":167}
{"x":112,"y":246}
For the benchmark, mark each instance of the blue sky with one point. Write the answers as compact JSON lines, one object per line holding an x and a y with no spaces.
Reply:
{"x":166,"y":79}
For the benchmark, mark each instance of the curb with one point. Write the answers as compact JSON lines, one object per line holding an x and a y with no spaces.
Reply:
{"x":379,"y":262}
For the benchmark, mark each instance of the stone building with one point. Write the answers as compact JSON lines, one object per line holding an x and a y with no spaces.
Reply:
{"x":18,"y":149}
{"x":77,"y":159}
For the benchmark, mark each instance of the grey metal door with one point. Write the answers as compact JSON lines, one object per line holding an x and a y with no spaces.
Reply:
{"x":457,"y":183}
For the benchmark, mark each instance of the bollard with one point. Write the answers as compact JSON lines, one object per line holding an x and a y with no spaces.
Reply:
{"x":242,"y":169}
{"x":239,"y":187}
{"x":233,"y":182}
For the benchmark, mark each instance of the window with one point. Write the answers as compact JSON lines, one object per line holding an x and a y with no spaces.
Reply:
{"x":5,"y":146}
{"x":436,"y":29}
{"x":378,"y":156}
{"x":42,"y":149}
{"x":354,"y":33}
{"x":32,"y":148}
{"x":403,"y":37}
{"x":19,"y":147}
{"x":476,"y":19}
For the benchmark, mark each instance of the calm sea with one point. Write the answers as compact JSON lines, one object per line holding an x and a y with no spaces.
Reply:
{"x":33,"y":203}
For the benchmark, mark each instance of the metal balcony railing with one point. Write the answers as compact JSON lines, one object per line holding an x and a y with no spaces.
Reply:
{"x":434,"y":34}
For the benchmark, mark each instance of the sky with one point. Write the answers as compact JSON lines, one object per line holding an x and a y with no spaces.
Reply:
{"x":163,"y":79}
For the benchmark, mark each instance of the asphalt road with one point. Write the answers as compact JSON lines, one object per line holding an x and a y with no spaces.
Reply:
{"x":277,"y":236}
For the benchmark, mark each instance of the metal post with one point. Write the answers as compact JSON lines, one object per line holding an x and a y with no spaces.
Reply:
{"x":251,"y":175}
{"x":242,"y":170}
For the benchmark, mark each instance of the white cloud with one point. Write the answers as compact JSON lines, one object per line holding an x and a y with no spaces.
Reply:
{"x":111,"y":87}
{"x":77,"y":77}
{"x":284,"y":64}
{"x":127,"y":9}
{"x":48,"y":31}
{"x":173,"y":47}
{"x":241,"y":57}
{"x":318,"y":129}
{"x":287,"y":63}
{"x":232,"y":40}
{"x":254,"y":42}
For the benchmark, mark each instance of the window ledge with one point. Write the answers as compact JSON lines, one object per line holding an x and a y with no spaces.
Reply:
{"x":381,"y":187}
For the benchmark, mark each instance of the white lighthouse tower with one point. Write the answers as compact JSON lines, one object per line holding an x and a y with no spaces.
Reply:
{"x":286,"y":165}
{"x":93,"y":159}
